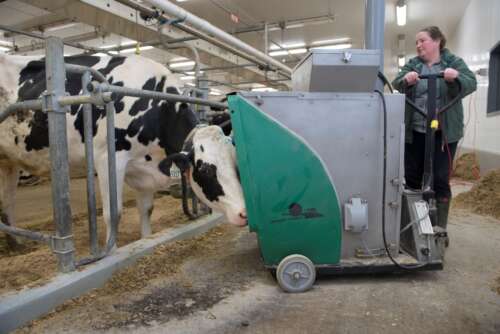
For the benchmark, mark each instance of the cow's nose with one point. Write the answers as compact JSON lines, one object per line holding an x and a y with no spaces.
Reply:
{"x":243,"y":214}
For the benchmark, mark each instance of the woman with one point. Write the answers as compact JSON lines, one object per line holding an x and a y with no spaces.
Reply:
{"x":433,"y":57}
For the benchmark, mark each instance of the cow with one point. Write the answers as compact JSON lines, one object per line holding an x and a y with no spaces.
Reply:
{"x":147,"y":132}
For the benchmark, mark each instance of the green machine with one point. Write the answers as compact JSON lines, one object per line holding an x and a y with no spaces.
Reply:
{"x":322,"y":174}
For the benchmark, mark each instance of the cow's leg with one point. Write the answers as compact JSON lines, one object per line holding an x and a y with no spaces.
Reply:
{"x":145,"y":207}
{"x":9,"y":175}
{"x":102,"y":175}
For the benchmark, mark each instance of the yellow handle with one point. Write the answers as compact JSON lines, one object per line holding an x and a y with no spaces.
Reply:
{"x":434,"y":124}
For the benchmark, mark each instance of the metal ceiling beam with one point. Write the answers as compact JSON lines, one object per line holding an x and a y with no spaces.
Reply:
{"x":40,"y":23}
{"x":73,"y":39}
{"x":114,"y":17}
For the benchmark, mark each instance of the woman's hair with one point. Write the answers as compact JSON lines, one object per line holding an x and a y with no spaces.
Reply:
{"x":436,"y":34}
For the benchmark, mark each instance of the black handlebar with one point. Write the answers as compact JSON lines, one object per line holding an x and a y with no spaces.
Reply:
{"x":447,"y":106}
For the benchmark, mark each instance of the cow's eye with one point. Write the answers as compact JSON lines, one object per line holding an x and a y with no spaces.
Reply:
{"x":201,"y":148}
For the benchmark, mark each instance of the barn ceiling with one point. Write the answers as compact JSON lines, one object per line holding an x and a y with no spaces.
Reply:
{"x":292,"y":22}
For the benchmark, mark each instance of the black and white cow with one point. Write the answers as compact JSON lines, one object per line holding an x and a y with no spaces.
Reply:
{"x":146,"y":130}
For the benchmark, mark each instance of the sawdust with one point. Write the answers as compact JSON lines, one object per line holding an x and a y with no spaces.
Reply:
{"x":34,"y":264}
{"x":466,"y":167}
{"x":114,"y":304}
{"x":484,"y":197}
{"x":496,"y":286}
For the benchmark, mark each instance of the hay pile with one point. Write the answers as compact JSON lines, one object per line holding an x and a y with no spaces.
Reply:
{"x":484,"y":197}
{"x":466,"y":167}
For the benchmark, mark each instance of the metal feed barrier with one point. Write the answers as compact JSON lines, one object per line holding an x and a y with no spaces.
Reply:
{"x":54,"y":102}
{"x":17,"y":308}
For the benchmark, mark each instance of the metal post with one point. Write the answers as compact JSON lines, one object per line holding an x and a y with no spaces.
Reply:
{"x":56,"y":77}
{"x":374,"y":30}
{"x":89,"y":155}
{"x":202,"y":93}
{"x":113,"y":208}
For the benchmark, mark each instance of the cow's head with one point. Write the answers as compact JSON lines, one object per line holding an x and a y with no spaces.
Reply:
{"x":210,"y":164}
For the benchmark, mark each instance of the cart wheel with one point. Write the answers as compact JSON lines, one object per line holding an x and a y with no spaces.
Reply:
{"x":296,"y":273}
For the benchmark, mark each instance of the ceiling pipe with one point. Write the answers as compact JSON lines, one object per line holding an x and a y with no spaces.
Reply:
{"x":210,"y":29}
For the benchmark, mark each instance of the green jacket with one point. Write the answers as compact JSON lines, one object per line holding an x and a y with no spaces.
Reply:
{"x":452,"y":121}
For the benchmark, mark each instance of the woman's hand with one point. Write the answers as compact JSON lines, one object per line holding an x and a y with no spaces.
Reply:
{"x":450,"y":74}
{"x":411,"y":78}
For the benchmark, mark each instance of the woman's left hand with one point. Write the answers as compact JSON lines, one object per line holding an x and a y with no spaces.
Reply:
{"x":450,"y":74}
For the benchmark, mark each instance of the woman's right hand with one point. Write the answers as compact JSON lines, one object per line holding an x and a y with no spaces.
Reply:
{"x":411,"y":78}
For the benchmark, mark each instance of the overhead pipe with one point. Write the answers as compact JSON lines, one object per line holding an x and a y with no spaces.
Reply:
{"x":207,"y":27}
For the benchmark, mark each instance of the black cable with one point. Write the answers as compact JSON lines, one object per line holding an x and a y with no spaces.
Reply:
{"x":384,"y":178}
{"x":382,"y":77}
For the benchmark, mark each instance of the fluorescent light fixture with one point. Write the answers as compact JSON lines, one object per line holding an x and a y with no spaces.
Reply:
{"x":99,"y":54}
{"x":263,"y":89}
{"x":147,"y":47}
{"x":113,"y":52}
{"x":111,"y":46}
{"x":181,"y":0}
{"x":181,"y":64}
{"x":333,"y":47}
{"x":187,"y":77}
{"x":294,"y":25}
{"x":331,"y":41}
{"x":190,"y":84}
{"x":401,"y":60}
{"x":3,"y":48}
{"x":60,"y":27}
{"x":6,"y":44}
{"x":278,"y":53}
{"x":193,"y":72}
{"x":215,"y":92}
{"x":173,"y":60}
{"x":287,"y":46}
{"x":401,"y":12}
{"x":297,"y":51}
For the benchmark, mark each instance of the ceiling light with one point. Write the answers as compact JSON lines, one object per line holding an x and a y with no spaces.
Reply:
{"x":190,"y":84}
{"x":278,"y":53}
{"x":287,"y":46}
{"x":263,"y":89}
{"x":188,"y":77}
{"x":333,"y":47}
{"x":401,"y":12}
{"x":297,"y":51}
{"x":60,"y":27}
{"x":215,"y":92}
{"x":6,"y":43}
{"x":99,"y":54}
{"x":181,"y":64}
{"x":147,"y":47}
{"x":116,"y":45}
{"x":3,"y":48}
{"x":401,"y":60}
{"x":193,"y":72}
{"x":331,"y":41}
{"x":181,"y":0}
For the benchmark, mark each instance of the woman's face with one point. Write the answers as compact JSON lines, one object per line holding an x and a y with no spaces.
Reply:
{"x":427,"y":48}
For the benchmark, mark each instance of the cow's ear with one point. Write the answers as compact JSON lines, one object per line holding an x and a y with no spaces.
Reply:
{"x":181,"y":160}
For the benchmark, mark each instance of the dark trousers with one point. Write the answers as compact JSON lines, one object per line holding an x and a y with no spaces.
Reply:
{"x":443,"y":158}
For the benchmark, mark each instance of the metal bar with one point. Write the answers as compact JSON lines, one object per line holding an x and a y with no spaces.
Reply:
{"x":89,"y":155}
{"x":113,"y":201}
{"x":216,"y":68}
{"x":428,"y":175}
{"x":71,"y":39}
{"x":94,"y":86}
{"x":21,"y":232}
{"x":98,"y":99}
{"x":210,"y":29}
{"x":56,"y":77}
{"x":82,"y":69}
{"x":374,"y":31}
{"x":152,"y":13}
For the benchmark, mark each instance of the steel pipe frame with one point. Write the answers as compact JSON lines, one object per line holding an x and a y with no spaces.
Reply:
{"x":104,"y":87}
{"x":97,"y":99}
{"x":210,"y":29}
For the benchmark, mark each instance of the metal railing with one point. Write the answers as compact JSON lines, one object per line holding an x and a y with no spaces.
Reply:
{"x":55,"y":103}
